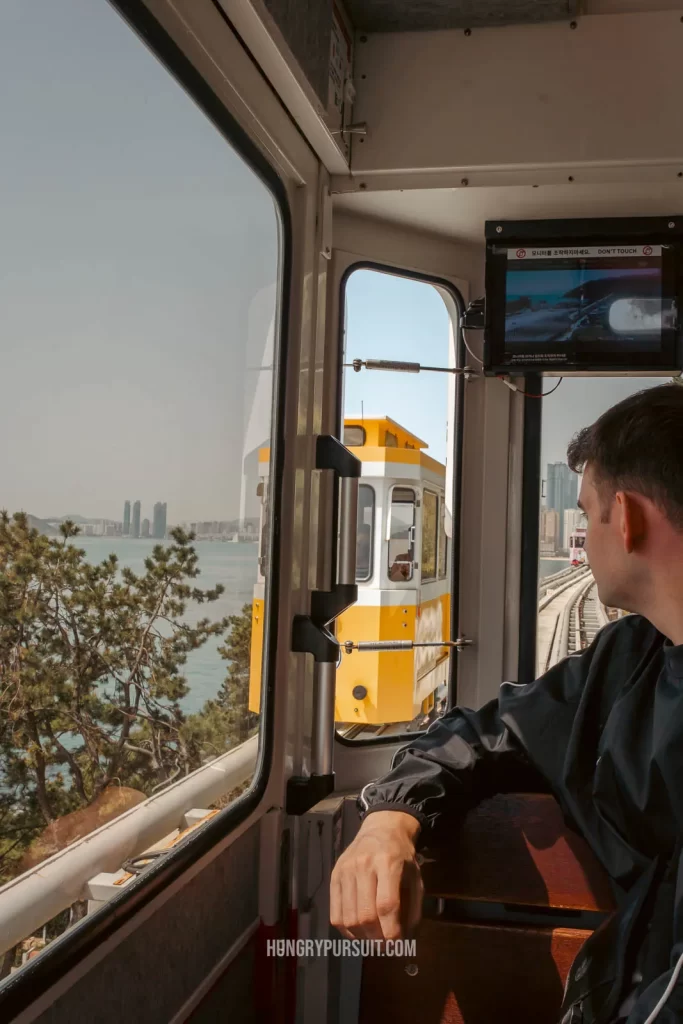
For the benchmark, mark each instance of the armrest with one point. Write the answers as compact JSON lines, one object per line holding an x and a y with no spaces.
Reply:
{"x":517,"y":849}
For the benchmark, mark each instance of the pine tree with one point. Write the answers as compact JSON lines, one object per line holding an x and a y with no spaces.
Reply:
{"x":227,"y":721}
{"x":91,"y":675}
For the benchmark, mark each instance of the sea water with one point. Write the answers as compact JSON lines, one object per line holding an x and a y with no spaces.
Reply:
{"x":233,"y":565}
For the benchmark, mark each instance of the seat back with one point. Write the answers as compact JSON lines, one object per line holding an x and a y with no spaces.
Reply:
{"x":510,"y":900}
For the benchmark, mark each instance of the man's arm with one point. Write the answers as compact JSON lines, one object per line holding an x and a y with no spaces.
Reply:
{"x":434,"y":780}
{"x":464,"y":757}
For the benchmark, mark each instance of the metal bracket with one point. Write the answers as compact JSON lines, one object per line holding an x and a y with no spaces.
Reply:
{"x":304,"y":792}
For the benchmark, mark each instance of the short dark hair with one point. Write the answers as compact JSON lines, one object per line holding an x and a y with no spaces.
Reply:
{"x":637,"y":445}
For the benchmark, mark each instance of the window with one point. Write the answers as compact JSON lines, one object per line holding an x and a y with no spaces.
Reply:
{"x":366,"y":532}
{"x":443,"y":541}
{"x":401,"y":534}
{"x":405,"y":416}
{"x":354,"y":436}
{"x":139,"y":280}
{"x":564,"y":576}
{"x":430,"y":526}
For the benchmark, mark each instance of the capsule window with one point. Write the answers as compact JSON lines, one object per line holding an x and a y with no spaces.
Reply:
{"x":354,"y":436}
{"x":401,"y":534}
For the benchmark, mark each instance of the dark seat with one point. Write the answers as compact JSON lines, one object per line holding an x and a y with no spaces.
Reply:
{"x":518,"y":894}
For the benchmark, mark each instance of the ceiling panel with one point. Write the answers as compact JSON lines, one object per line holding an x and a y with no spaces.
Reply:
{"x":416,"y":15}
{"x":460,"y":213}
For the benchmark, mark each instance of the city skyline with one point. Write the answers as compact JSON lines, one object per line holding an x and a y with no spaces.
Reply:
{"x":137,"y":527}
{"x":208,"y":529}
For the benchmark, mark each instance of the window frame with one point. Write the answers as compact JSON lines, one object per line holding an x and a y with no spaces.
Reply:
{"x":373,"y":521}
{"x":442,"y":285}
{"x":530,"y":539}
{"x":70,"y":950}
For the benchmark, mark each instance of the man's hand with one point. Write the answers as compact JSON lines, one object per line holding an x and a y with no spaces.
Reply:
{"x":376,"y":887}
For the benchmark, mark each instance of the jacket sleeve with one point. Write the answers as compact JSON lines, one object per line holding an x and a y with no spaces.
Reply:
{"x":465,"y":756}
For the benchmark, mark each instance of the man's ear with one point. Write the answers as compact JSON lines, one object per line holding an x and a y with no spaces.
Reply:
{"x":631,"y":520}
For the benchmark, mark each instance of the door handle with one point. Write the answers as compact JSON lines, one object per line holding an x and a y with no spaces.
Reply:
{"x":310,"y":634}
{"x":331,"y":454}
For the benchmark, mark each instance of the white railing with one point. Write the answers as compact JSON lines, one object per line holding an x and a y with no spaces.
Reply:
{"x":32,"y":899}
{"x":566,"y":584}
{"x":559,"y":647}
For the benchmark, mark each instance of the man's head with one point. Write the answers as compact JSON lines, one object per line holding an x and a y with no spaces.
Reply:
{"x":632,"y":494}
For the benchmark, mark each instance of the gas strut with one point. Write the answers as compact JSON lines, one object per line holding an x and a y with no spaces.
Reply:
{"x":401,"y":645}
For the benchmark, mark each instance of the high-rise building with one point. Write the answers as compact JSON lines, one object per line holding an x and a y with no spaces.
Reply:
{"x":562,"y":491}
{"x":135,"y":525}
{"x":126,"y":518}
{"x":145,"y":528}
{"x":550,"y":532}
{"x":159,"y":526}
{"x":573,"y":518}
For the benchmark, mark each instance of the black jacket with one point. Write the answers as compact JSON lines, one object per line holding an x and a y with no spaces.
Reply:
{"x":603,"y":730}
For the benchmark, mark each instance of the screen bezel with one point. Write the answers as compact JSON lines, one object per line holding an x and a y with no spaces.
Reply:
{"x":502,"y":235}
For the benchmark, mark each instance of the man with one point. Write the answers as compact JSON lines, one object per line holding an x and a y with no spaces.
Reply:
{"x":401,"y":568}
{"x":603,"y":730}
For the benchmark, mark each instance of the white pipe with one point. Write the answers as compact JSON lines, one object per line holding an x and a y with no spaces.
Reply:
{"x":37,"y":896}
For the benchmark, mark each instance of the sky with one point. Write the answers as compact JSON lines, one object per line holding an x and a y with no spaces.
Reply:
{"x":138,"y":277}
{"x":391,"y":317}
{"x":138,"y":281}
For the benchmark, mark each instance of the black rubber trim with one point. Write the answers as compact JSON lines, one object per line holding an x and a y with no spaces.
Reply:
{"x":531,"y":500}
{"x":454,"y":292}
{"x":304,"y":792}
{"x":20,"y":990}
{"x":309,"y":637}
{"x":585,"y":228}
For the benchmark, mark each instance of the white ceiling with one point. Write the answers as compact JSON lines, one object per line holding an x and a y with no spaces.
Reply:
{"x":460,"y":213}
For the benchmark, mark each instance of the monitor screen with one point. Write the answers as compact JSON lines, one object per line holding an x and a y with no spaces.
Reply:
{"x":601,"y":298}
{"x":594,"y":306}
